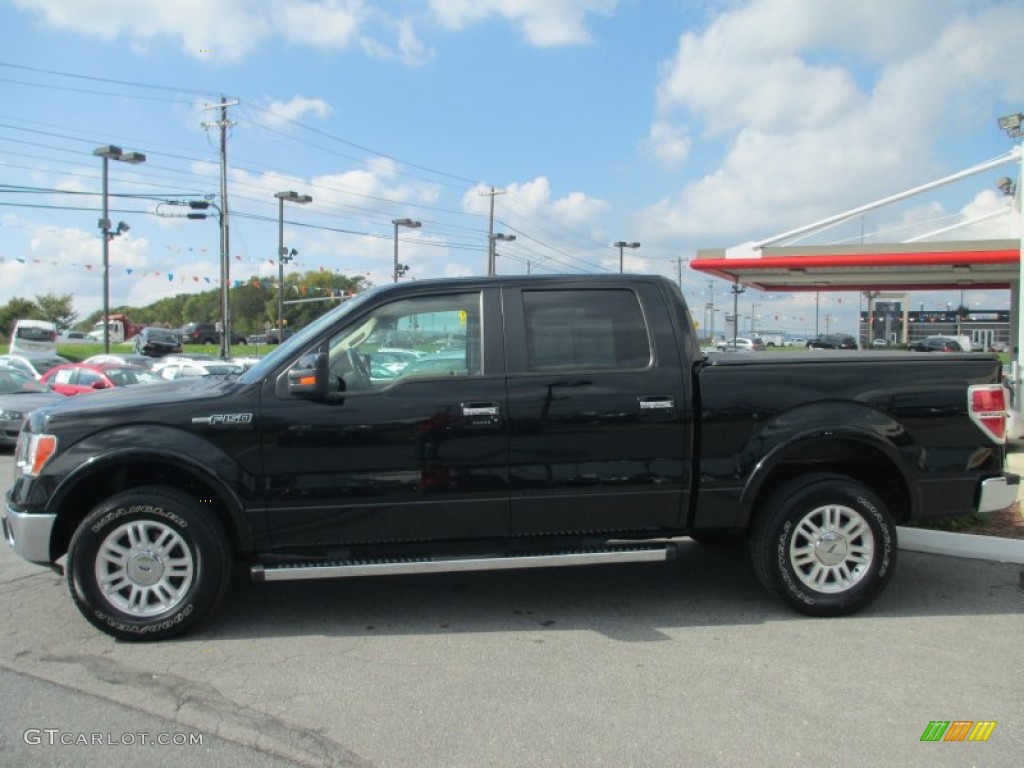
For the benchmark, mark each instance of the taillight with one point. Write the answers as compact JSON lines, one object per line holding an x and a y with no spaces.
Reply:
{"x":987,"y":406}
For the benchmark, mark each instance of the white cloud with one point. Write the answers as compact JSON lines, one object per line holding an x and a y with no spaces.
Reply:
{"x":669,"y":143}
{"x":408,"y":48}
{"x":575,"y":222}
{"x":381,"y":180}
{"x":987,"y":216}
{"x":522,"y":203}
{"x":325,"y":24}
{"x":277,"y":114}
{"x":805,"y":139}
{"x":226,"y":29}
{"x":543,"y":23}
{"x":69,"y":261}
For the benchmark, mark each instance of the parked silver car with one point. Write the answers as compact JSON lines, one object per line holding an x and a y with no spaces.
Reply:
{"x":741,"y":343}
{"x":20,"y":394}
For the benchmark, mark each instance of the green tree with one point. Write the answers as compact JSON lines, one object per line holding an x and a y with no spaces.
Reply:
{"x":253,"y":303}
{"x":57,"y":309}
{"x":247,"y":307}
{"x":14,"y":310}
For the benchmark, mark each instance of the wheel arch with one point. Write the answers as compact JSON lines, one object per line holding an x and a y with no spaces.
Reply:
{"x":103,"y":476}
{"x":852,"y":453}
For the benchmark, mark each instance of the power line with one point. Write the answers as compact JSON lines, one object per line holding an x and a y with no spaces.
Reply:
{"x":546,"y":230}
{"x":114,"y":81}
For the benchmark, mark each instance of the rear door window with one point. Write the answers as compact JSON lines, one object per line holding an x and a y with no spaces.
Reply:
{"x":584,"y":330}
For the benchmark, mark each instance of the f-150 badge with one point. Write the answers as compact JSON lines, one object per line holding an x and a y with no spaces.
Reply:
{"x":224,"y":419}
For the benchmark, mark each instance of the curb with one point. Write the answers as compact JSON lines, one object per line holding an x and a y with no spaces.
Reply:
{"x":961,"y":545}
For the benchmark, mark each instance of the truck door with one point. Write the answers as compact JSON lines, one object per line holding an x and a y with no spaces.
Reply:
{"x":412,"y":442}
{"x":599,"y":410}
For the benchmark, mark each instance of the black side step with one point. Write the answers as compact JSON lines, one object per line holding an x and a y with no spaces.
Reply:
{"x":635,"y":553}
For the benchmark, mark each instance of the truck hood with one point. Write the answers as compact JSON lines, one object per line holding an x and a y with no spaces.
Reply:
{"x":173,"y":404}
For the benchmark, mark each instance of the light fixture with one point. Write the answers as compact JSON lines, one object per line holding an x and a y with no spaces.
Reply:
{"x":623,"y":244}
{"x":492,"y":267}
{"x":1012,"y":124}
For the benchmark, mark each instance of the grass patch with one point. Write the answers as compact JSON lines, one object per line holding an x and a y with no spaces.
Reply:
{"x":950,"y":524}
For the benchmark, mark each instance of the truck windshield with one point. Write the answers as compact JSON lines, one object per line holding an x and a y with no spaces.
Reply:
{"x":303,"y":337}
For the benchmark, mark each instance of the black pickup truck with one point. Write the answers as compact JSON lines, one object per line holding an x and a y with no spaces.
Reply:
{"x":472,"y":424}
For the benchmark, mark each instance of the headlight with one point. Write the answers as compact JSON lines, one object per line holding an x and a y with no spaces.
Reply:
{"x":33,"y":452}
{"x":11,"y":415}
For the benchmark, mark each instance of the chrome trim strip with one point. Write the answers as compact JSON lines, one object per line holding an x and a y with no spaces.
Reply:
{"x":28,"y":535}
{"x":261,"y":572}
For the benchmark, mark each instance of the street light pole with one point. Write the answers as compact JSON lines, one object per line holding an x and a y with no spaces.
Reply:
{"x":399,"y":269}
{"x":494,"y":238}
{"x":623,"y":244}
{"x":736,"y":291}
{"x":108,"y":152}
{"x":1013,"y":125}
{"x":282,"y":253}
{"x":711,"y":310}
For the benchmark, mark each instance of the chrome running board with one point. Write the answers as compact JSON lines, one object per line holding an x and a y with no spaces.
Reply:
{"x":643,"y":553}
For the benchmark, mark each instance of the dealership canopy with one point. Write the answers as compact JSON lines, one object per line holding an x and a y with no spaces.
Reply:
{"x":987,"y":264}
{"x":918,"y":264}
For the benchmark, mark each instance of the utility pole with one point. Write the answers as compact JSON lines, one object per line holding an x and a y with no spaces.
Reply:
{"x":225,"y":262}
{"x":679,"y":270}
{"x":490,"y":230}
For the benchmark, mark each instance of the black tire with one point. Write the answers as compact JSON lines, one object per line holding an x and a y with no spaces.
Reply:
{"x":825,"y":544}
{"x":165,"y":562}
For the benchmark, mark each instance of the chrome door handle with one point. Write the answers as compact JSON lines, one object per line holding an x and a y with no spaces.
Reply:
{"x":485,"y":414}
{"x":657,"y":403}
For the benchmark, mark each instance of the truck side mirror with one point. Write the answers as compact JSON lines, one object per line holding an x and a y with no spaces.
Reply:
{"x":309,"y":376}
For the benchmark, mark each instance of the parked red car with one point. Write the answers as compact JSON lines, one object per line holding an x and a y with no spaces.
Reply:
{"x":76,"y":378}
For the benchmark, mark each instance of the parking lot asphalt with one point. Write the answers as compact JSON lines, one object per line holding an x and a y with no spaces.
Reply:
{"x":685,"y":663}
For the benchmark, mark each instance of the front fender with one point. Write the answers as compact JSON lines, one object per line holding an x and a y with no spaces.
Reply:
{"x":158,"y":454}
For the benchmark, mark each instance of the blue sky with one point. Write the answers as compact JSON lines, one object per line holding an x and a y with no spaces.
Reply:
{"x":681,"y":125}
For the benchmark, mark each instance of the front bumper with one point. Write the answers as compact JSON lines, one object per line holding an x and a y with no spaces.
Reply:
{"x":998,"y":493}
{"x":28,"y":535}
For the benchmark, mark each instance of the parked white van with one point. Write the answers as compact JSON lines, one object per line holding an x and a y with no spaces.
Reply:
{"x":33,"y":337}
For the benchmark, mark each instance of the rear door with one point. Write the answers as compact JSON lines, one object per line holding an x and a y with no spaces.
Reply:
{"x":598,"y":408}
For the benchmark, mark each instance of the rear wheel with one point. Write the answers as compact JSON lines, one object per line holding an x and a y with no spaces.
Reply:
{"x":825,"y":544}
{"x":147,"y":564}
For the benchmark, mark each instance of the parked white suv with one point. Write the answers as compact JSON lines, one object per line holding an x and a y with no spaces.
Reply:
{"x":33,"y":337}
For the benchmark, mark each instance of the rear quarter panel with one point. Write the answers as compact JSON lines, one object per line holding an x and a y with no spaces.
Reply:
{"x":901,"y":411}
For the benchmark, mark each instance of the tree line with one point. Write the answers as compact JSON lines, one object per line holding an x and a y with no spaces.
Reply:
{"x":254,"y":305}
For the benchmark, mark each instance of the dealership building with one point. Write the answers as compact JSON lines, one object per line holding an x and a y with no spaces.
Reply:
{"x":897,"y":324}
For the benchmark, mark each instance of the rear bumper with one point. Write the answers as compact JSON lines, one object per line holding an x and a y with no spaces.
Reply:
{"x":28,"y":535}
{"x":998,"y":492}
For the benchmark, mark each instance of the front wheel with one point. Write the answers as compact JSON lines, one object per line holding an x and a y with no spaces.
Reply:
{"x":825,"y":544}
{"x":147,"y":564}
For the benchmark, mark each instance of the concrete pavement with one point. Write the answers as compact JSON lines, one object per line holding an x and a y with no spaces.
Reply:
{"x":968,"y":545}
